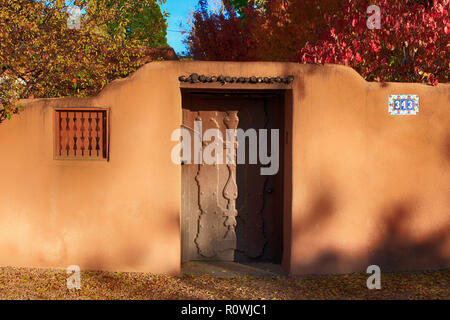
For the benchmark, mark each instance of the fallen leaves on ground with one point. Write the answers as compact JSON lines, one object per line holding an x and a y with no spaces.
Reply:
{"x":26,"y":283}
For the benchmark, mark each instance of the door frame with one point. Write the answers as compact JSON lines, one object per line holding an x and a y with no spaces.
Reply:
{"x":287,"y":93}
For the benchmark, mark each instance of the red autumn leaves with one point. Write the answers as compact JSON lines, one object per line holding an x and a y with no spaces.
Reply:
{"x":412,"y":44}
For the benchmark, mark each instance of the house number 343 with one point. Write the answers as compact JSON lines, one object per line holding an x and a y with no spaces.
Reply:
{"x":407,"y":104}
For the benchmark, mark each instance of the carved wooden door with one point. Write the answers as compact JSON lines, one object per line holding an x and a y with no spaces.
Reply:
{"x":230,"y":212}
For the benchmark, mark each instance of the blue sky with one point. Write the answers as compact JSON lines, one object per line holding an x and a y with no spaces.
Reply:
{"x":179,"y":11}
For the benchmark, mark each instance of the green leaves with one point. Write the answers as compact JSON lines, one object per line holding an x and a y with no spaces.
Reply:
{"x":391,"y":61}
{"x":40,"y":57}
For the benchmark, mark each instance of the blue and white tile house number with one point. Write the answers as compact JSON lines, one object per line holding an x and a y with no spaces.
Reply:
{"x":404,"y":104}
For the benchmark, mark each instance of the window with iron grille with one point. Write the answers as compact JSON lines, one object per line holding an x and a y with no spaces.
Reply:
{"x":81,"y":134}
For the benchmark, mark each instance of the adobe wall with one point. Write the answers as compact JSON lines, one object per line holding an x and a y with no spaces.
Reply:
{"x":368,"y":187}
{"x":361,"y":187}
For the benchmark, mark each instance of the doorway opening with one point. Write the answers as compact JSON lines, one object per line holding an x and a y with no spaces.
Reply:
{"x":231,"y":212}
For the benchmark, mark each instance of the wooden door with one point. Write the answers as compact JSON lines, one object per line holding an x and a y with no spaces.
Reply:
{"x":230,"y":212}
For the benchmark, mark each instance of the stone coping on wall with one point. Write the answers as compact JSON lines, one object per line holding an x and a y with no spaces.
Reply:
{"x":196,"y":78}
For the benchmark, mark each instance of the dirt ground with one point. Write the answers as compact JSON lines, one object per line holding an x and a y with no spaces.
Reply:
{"x":25,"y":283}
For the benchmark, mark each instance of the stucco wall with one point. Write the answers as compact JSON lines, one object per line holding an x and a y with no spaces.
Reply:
{"x":368,"y":187}
{"x":361,"y":186}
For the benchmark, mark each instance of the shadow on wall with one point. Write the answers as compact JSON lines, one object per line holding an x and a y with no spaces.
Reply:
{"x":396,"y":250}
{"x":446,"y":147}
{"x":323,"y":208}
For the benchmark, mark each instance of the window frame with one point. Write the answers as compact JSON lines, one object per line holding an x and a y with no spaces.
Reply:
{"x":105,"y":148}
